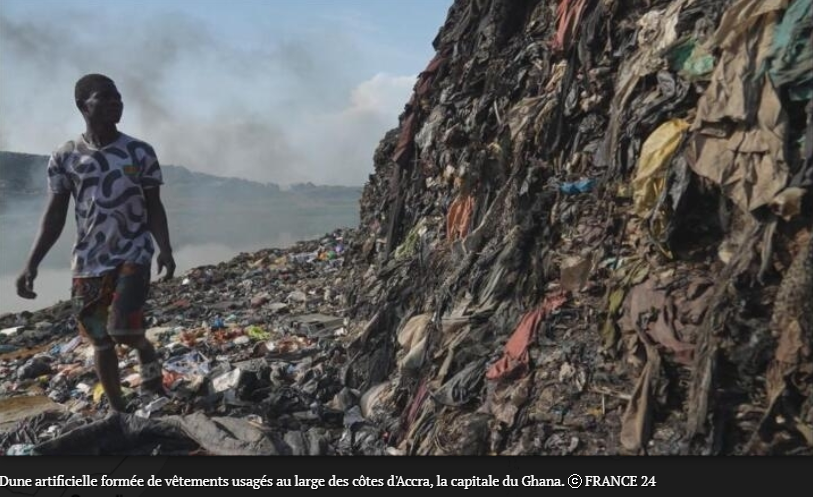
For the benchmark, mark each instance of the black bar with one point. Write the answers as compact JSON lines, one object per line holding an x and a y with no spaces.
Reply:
{"x":528,"y":475}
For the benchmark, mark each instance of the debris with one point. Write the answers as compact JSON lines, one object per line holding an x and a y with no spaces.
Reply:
{"x":20,"y":450}
{"x":316,"y":325}
{"x":11,"y":331}
{"x":516,"y":357}
{"x":15,"y":409}
{"x":581,"y":186}
{"x":227,"y":381}
{"x":650,"y":179}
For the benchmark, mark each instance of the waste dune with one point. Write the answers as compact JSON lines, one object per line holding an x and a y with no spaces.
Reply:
{"x":590,"y":233}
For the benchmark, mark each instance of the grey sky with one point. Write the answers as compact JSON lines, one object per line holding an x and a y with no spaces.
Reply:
{"x":274,"y":91}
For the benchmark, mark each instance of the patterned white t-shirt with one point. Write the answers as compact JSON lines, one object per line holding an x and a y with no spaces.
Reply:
{"x":107,"y":186}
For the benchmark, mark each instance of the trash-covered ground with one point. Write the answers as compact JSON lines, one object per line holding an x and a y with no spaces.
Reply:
{"x":252,"y":347}
{"x":590,"y":234}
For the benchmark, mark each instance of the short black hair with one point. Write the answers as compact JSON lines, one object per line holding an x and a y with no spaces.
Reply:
{"x":87,"y":84}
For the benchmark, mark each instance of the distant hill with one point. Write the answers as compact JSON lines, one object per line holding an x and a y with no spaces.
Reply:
{"x":19,"y":174}
{"x":16,"y":172}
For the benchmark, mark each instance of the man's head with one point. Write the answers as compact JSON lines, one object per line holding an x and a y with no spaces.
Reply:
{"x":98,"y":99}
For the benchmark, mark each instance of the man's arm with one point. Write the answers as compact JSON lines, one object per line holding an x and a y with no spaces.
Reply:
{"x":157,"y":222}
{"x":51,"y":225}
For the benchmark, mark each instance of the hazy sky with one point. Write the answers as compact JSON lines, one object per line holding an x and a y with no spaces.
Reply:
{"x":278,"y":91}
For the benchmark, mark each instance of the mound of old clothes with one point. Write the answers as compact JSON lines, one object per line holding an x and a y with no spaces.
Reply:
{"x":590,"y":233}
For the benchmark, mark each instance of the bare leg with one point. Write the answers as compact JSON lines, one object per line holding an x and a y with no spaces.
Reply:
{"x":91,"y":307}
{"x":107,"y":369}
{"x":152,"y":379}
{"x":127,"y":323}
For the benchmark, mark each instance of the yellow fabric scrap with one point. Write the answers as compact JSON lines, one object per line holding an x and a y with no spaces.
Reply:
{"x":656,"y":152}
{"x":98,"y":391}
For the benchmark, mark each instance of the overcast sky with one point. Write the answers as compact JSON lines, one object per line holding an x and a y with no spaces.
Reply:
{"x":267,"y":90}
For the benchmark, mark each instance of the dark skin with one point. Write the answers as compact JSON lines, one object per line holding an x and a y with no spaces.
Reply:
{"x":102,"y":111}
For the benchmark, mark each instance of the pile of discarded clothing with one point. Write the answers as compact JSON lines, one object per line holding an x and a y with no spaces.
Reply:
{"x":590,"y":233}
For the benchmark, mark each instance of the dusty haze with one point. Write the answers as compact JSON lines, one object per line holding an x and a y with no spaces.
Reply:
{"x":274,"y":111}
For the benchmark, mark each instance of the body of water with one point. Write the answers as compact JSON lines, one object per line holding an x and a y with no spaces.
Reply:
{"x":53,"y":284}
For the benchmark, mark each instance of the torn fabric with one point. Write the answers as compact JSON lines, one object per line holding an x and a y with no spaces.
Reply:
{"x":740,"y":126}
{"x":458,"y":221}
{"x":568,"y":17}
{"x":656,"y":152}
{"x":791,"y":56}
{"x":122,"y":434}
{"x":515,"y":359}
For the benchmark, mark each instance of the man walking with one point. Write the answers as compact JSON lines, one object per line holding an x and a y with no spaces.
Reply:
{"x":114,"y":180}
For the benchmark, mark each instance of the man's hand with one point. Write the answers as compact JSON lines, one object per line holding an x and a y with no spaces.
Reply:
{"x":165,"y":260}
{"x":25,"y":283}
